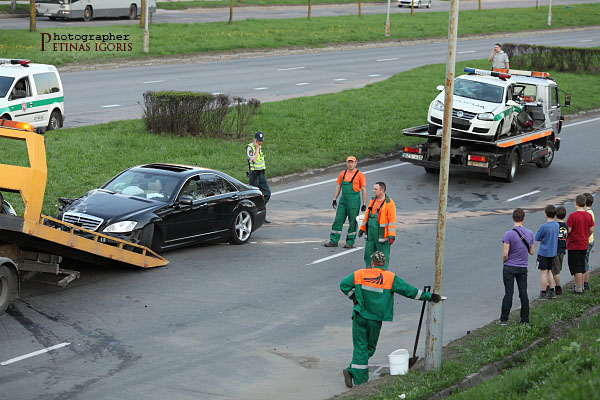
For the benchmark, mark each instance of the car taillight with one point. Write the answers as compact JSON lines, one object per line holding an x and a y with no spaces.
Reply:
{"x":477,"y":158}
{"x":415,"y":150}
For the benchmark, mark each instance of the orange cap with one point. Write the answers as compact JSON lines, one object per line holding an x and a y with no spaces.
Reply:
{"x":351,"y":158}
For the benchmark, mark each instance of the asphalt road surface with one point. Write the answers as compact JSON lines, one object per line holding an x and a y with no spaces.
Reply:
{"x":117,"y":94}
{"x":267,"y":320}
{"x":281,"y":12}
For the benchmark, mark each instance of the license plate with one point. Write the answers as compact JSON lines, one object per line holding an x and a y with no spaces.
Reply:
{"x":477,"y":164}
{"x":48,"y":14}
{"x":413,"y":156}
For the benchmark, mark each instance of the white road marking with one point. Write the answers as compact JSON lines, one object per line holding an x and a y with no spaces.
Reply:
{"x":260,"y":88}
{"x":290,"y":69}
{"x":333,"y":180}
{"x":585,"y":40}
{"x":295,"y":242}
{"x":302,"y":83}
{"x":35,"y":353}
{"x":343,"y":253}
{"x":340,"y":79}
{"x":581,"y":122}
{"x":111,"y":105}
{"x":467,"y":51}
{"x":153,"y":81}
{"x":523,"y":195}
{"x":217,"y":93}
{"x":374,"y":76}
{"x":388,"y":59}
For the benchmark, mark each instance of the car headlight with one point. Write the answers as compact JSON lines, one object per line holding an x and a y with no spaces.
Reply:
{"x":438,"y":105}
{"x":486,"y":117}
{"x":120,"y":227}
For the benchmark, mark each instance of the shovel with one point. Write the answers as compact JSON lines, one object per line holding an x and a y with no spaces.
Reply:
{"x":414,"y":358}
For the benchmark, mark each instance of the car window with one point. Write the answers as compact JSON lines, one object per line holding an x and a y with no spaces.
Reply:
{"x":5,"y":84}
{"x":554,"y":97}
{"x":478,"y":90}
{"x":146,"y":185}
{"x":214,"y":185}
{"x":191,"y":190}
{"x":21,"y":89}
{"x":46,"y":83}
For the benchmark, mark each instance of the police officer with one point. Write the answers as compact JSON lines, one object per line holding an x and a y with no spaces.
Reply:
{"x":379,"y":224}
{"x":372,"y":291}
{"x":256,"y":166}
{"x":351,"y":182}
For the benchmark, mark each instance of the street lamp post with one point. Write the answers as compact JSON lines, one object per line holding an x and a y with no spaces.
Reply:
{"x":387,"y":21}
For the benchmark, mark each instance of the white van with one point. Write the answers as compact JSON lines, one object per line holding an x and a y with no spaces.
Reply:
{"x":31,"y":93}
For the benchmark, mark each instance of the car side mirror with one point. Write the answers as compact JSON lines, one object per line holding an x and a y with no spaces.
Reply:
{"x":567,"y":100}
{"x":440,"y":87}
{"x":186,"y":202}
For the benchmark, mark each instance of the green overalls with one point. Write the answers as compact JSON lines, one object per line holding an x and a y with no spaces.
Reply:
{"x":373,"y":243}
{"x":349,"y":206}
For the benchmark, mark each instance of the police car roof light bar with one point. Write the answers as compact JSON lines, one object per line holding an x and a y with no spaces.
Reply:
{"x":496,"y":74}
{"x":15,"y":61}
{"x":535,"y":74}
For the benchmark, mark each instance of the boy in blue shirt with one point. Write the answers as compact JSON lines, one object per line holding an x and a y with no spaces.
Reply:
{"x":547,"y":235}
{"x":563,"y":232}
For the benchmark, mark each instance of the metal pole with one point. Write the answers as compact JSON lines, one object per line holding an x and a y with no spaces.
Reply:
{"x":146,"y":33}
{"x":550,"y":13}
{"x":435,"y":312}
{"x":387,"y":21}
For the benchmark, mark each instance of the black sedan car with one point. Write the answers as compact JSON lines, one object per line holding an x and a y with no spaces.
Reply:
{"x":163,"y":206}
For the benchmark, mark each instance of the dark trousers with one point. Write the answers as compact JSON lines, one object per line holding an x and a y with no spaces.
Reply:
{"x":509,"y":275}
{"x":258,"y":179}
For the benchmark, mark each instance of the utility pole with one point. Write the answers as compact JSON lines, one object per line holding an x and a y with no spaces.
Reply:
{"x":387,"y":21}
{"x":435,"y":311}
{"x":143,"y":14}
{"x":479,"y":8}
{"x":550,"y":14}
{"x":32,"y":27}
{"x":309,"y":8}
{"x":230,"y":12}
{"x":146,"y":33}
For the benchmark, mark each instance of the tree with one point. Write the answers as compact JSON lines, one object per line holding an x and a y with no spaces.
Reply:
{"x":230,"y":12}
{"x":309,"y":8}
{"x":359,"y":10}
{"x":32,"y":27}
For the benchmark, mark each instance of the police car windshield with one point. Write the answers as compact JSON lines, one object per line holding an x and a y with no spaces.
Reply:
{"x":5,"y":84}
{"x":478,"y":90}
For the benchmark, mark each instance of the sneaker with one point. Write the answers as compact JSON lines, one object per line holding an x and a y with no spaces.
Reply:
{"x":329,"y":244}
{"x":586,"y":286}
{"x":542,"y":296}
{"x":348,"y":246}
{"x":347,"y":378}
{"x":551,"y":294}
{"x":501,"y":323}
{"x":572,"y":289}
{"x":558,"y":290}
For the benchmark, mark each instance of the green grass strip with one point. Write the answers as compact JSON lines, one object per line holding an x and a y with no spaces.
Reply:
{"x":176,"y":39}
{"x":300,"y":133}
{"x":180,"y":5}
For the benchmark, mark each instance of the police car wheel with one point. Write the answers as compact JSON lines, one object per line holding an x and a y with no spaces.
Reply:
{"x":7,"y":285}
{"x":55,"y":121}
{"x":132,"y":11}
{"x":241,"y":227}
{"x":498,"y":132}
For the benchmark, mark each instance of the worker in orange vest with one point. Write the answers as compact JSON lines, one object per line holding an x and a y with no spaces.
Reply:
{"x":379,"y":224}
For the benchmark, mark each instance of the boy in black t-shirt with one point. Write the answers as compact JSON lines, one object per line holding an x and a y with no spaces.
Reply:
{"x":557,"y":261}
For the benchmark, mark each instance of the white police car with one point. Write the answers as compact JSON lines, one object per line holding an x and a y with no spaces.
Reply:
{"x":31,"y":93}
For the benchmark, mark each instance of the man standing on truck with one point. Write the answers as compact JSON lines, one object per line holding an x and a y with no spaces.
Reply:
{"x":379,"y":224}
{"x":499,"y":58}
{"x":352,"y":184}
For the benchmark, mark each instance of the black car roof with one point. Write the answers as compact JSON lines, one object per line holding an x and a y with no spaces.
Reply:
{"x":174,"y":169}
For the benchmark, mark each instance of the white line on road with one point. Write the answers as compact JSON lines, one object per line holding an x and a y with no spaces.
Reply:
{"x":585,"y":40}
{"x":333,"y":180}
{"x":35,"y":353}
{"x":260,"y":88}
{"x":304,"y":241}
{"x":374,"y":75}
{"x":340,"y":79}
{"x":388,"y":59}
{"x":523,"y":195}
{"x":302,"y":83}
{"x":153,"y":81}
{"x":343,"y":253}
{"x":111,"y":105}
{"x":467,"y":51}
{"x":217,"y":93}
{"x":581,"y":122}
{"x":290,"y":69}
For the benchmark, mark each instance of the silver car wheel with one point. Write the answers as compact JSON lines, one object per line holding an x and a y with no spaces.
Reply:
{"x":243,"y":226}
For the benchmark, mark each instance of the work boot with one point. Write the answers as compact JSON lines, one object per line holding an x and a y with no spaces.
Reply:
{"x":347,"y":378}
{"x":586,"y":286}
{"x":551,"y":294}
{"x":329,"y":244}
{"x":348,"y":246}
{"x":542,"y":296}
{"x":558,"y":290}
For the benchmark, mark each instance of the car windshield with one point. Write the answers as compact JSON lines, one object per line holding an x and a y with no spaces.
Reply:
{"x":478,"y":90}
{"x":5,"y":84}
{"x":147,"y":185}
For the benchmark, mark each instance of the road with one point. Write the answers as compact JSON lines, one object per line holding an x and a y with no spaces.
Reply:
{"x":117,"y":94}
{"x":281,"y":12}
{"x":266,"y":320}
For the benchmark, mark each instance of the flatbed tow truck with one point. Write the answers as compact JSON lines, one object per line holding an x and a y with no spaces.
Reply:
{"x":532,"y":138}
{"x":35,"y":243}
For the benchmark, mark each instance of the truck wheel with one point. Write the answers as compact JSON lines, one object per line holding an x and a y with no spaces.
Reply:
{"x":132,"y":11}
{"x":513,"y":166}
{"x":429,"y":4}
{"x":55,"y":121}
{"x":88,"y":14}
{"x":419,"y":4}
{"x":548,"y":158}
{"x":149,"y":238}
{"x":7,"y":285}
{"x":241,"y":227}
{"x":432,"y":129}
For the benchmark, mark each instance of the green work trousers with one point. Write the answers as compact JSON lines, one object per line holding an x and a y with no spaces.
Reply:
{"x":348,"y":207}
{"x":365,"y":334}
{"x":373,"y":244}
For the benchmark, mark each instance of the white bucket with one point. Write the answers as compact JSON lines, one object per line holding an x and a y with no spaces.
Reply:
{"x":359,"y":220}
{"x":398,"y":362}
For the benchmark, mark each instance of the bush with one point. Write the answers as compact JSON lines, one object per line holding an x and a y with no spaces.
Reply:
{"x":561,"y":59}
{"x":198,"y":114}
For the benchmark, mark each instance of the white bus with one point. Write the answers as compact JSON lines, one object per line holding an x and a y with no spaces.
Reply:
{"x":89,"y":9}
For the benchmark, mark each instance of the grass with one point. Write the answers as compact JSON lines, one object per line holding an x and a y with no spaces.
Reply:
{"x":5,"y":8}
{"x":364,"y":122}
{"x":178,"y":39}
{"x":569,"y":366}
{"x":180,"y":5}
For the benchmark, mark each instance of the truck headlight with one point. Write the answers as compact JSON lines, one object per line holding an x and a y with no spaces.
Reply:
{"x":120,"y":227}
{"x":438,"y":105}
{"x":486,"y":117}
